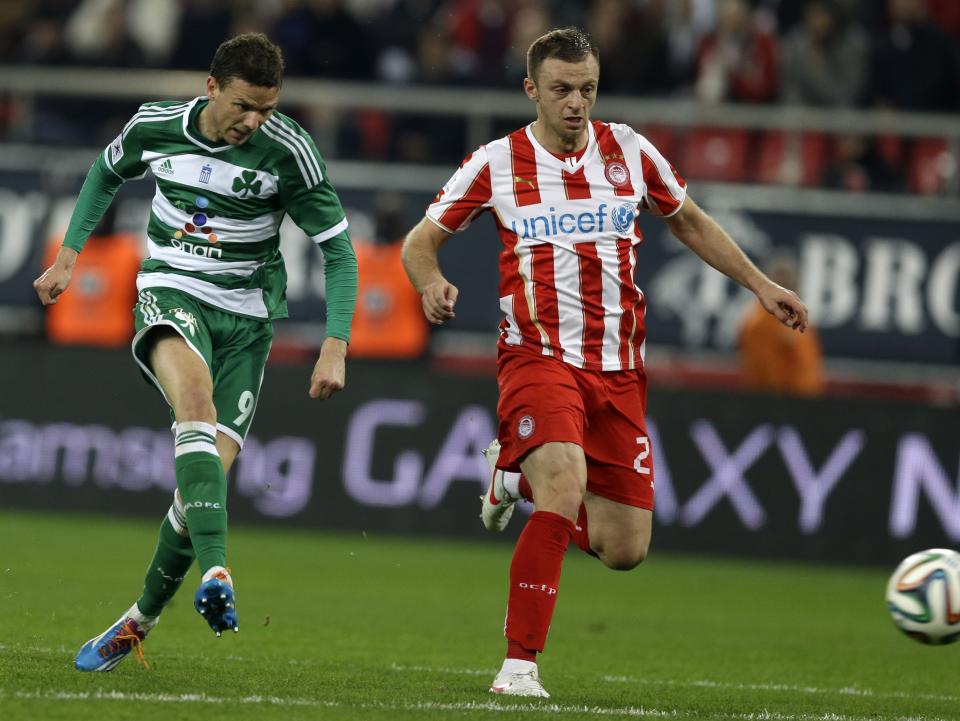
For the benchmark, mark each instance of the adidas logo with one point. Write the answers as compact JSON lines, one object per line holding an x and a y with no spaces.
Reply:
{"x":166,"y":167}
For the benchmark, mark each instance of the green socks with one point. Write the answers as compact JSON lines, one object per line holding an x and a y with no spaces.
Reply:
{"x":203,"y":488}
{"x":196,"y":524}
{"x":170,"y":564}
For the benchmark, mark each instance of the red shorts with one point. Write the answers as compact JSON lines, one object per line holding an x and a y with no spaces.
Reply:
{"x":543,"y":399}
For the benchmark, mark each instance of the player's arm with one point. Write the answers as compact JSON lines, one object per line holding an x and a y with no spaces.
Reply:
{"x":704,"y":236}
{"x":97,"y":193}
{"x":420,"y":249}
{"x":311,"y":200}
{"x":119,"y":162}
{"x":340,"y":270}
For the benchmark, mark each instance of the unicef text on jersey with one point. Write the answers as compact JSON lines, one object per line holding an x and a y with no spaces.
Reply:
{"x":546,"y":226}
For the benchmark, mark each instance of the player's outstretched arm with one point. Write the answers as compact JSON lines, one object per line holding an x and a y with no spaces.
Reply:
{"x":420,"y":248}
{"x":704,"y":236}
{"x":330,"y":371}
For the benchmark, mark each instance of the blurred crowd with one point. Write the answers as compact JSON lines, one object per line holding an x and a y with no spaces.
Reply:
{"x":902,"y":54}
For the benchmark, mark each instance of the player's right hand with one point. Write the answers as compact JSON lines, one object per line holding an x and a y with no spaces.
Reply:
{"x":438,"y":299}
{"x":52,"y":283}
{"x":56,"y":278}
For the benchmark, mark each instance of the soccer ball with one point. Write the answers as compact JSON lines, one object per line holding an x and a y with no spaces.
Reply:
{"x":923,"y":596}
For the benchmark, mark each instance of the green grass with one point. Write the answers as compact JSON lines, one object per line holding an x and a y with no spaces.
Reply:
{"x":355,"y":627}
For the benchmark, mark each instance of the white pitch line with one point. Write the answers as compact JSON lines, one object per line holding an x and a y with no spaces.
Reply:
{"x":844,"y":691}
{"x":494,"y":706}
{"x":702,"y":683}
{"x":707,"y":683}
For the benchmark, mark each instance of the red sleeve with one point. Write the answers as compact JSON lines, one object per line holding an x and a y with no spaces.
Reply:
{"x":467,"y":193}
{"x":664,"y":188}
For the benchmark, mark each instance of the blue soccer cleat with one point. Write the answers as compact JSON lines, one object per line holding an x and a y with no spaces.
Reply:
{"x":214,"y":600}
{"x":105,"y":651}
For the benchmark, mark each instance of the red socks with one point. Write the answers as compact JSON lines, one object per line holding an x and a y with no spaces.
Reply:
{"x":526,"y":492}
{"x":581,"y":535}
{"x":534,"y":579}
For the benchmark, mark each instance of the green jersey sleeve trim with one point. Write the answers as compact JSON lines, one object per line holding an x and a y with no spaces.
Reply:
{"x":95,"y":197}
{"x":341,"y":284}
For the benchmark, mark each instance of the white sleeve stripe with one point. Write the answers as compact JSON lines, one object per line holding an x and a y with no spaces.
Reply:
{"x":148,"y":118}
{"x":330,"y":232}
{"x":439,"y":224}
{"x":172,"y":111}
{"x":665,"y":174}
{"x":307,"y":176}
{"x":664,"y":171}
{"x":309,"y":158}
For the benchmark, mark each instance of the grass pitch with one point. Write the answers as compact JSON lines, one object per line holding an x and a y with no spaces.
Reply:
{"x":358,"y":627}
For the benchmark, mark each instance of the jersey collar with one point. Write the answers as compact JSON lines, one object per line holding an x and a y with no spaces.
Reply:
{"x":192,"y":133}
{"x":546,"y":157}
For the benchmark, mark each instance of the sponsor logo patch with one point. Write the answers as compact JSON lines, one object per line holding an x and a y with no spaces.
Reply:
{"x":622,"y":217}
{"x":116,"y":150}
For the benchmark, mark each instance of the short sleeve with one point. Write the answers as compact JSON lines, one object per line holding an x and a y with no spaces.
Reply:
{"x":664,"y":188}
{"x":465,"y":195}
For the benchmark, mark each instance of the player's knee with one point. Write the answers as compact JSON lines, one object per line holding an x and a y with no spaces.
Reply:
{"x":195,"y":404}
{"x":624,"y":557}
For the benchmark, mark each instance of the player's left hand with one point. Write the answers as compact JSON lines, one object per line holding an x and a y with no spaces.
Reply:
{"x":785,"y":305}
{"x":329,"y":373}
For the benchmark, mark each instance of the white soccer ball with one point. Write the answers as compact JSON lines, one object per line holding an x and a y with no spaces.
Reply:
{"x":923,"y":596}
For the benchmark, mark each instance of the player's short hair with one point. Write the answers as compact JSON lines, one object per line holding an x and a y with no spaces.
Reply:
{"x":250,"y":57}
{"x":568,"y":44}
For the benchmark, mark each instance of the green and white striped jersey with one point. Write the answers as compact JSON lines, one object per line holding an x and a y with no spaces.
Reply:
{"x":214,"y":228}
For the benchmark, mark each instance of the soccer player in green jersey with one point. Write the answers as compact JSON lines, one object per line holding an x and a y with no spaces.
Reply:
{"x":228,"y":167}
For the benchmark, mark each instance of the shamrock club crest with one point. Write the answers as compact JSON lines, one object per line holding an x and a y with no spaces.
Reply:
{"x":246,"y":183}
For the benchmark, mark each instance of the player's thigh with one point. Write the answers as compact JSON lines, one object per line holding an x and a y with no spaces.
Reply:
{"x":616,"y":442}
{"x":238,"y":367}
{"x":539,"y":403}
{"x":619,"y":533}
{"x":173,"y":349}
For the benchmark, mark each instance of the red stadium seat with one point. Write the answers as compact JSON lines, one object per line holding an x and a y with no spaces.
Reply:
{"x":662,"y":138}
{"x":791,"y":158}
{"x":718,"y":154}
{"x":930,"y":163}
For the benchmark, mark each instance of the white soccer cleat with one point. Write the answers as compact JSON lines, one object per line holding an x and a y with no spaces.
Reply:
{"x":496,"y":504}
{"x":519,"y":683}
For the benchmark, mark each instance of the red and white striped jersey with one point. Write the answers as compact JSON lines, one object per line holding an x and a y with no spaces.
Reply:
{"x":569,"y":231}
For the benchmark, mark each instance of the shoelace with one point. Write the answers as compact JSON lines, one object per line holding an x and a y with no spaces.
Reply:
{"x":126,"y":640}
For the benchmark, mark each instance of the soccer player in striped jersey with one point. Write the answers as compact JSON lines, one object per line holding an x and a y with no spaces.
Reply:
{"x":565,"y":192}
{"x":228,"y":168}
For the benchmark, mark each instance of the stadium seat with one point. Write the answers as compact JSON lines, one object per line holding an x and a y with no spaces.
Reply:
{"x":930,"y":164}
{"x":791,"y":158}
{"x":662,"y":138}
{"x":718,"y":154}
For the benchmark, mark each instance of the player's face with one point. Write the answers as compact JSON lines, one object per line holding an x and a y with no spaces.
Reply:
{"x":564,"y":93}
{"x":236,"y":110}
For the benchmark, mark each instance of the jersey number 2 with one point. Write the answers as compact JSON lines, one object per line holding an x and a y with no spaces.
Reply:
{"x":644,"y":453}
